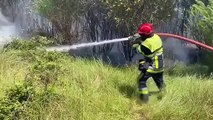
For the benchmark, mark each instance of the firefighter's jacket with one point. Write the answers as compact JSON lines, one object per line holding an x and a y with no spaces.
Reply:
{"x":152,"y":49}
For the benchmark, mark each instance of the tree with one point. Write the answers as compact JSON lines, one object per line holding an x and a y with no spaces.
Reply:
{"x":65,"y":16}
{"x":129,"y":14}
{"x":103,"y":19}
{"x":201,"y":26}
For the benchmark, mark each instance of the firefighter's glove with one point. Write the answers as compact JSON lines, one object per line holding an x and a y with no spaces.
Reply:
{"x":131,"y":38}
{"x":142,"y":69}
{"x":135,"y":39}
{"x":143,"y":66}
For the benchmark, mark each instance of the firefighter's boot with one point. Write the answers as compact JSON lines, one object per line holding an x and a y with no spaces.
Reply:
{"x":162,"y":92}
{"x":144,"y":95}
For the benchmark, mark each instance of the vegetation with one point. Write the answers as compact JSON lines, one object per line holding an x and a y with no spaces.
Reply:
{"x":97,"y":20}
{"x":37,"y":84}
{"x":70,"y":13}
{"x":55,"y":86}
{"x":201,"y":22}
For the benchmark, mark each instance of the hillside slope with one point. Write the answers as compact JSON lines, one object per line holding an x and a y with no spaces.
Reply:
{"x":91,"y":90}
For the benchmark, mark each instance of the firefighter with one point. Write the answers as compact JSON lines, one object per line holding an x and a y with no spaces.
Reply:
{"x":150,"y":46}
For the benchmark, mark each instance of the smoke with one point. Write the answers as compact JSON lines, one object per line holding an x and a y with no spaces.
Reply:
{"x":7,"y":30}
{"x":176,"y":49}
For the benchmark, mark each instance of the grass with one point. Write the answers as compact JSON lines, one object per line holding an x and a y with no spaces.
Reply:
{"x":12,"y":70}
{"x":91,"y":90}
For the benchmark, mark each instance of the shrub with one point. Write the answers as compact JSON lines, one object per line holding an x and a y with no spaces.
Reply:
{"x":201,"y":22}
{"x":33,"y":44}
{"x":13,"y":105}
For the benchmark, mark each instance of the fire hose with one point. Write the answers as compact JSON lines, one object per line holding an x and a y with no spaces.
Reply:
{"x":69,"y":47}
{"x":187,"y":40}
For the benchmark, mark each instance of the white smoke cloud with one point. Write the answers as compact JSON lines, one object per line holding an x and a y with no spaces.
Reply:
{"x":177,"y":49}
{"x":7,"y":30}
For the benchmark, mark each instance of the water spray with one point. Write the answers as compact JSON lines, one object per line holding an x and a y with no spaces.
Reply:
{"x":66,"y":48}
{"x":70,"y":47}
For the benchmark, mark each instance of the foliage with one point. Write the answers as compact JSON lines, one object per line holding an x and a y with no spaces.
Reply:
{"x":33,"y":49}
{"x":64,"y":17}
{"x":76,"y":21}
{"x":201,"y":22}
{"x":46,"y":69}
{"x":103,"y":15}
{"x":92,"y":90}
{"x":33,"y":44}
{"x":202,"y":15}
{"x":51,"y":8}
{"x":139,"y":11}
{"x":38,"y":84}
{"x":14,"y":104}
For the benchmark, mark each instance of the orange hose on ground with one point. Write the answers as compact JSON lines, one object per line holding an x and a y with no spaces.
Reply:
{"x":187,"y":40}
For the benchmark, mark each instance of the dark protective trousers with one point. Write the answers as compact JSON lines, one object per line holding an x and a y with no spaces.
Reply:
{"x":157,"y":77}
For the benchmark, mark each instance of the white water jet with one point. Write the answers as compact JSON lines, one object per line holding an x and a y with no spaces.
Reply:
{"x":66,"y":48}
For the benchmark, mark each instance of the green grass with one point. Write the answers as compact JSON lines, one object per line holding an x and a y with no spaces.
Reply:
{"x":91,"y":90}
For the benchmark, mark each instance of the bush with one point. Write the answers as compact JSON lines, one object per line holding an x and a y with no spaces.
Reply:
{"x":38,"y":83}
{"x":33,"y":44}
{"x":45,"y":73}
{"x":13,"y":105}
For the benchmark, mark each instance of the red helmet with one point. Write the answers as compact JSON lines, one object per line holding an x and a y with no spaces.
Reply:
{"x":146,"y":29}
